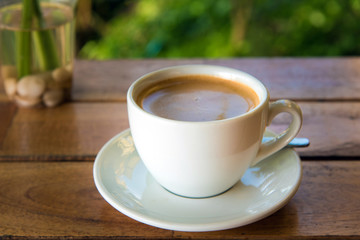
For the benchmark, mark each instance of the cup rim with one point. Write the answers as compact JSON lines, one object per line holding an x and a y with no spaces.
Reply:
{"x":262,"y":99}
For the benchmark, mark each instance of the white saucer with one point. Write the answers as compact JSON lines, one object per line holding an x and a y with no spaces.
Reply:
{"x":124,"y":182}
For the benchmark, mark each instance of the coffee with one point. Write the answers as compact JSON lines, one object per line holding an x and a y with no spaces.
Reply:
{"x":197,"y":98}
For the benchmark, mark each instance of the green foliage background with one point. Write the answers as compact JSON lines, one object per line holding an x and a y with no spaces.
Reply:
{"x":229,"y":28}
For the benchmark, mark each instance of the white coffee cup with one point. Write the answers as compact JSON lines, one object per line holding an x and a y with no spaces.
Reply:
{"x":203,"y":159}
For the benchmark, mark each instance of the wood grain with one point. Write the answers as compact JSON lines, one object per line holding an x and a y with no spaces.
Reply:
{"x":77,"y":131}
{"x":294,"y":78}
{"x":66,"y":132}
{"x":7,"y":112}
{"x":332,"y":127}
{"x":109,"y":81}
{"x":327,"y":205}
{"x":59,"y":199}
{"x":46,"y":184}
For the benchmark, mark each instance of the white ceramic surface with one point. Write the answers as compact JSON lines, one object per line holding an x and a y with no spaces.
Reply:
{"x":124,"y":182}
{"x":201,"y":159}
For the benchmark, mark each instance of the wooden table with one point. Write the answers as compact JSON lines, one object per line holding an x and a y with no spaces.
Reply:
{"x":46,"y":155}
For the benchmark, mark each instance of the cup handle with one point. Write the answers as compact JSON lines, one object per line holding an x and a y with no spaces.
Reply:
{"x":281,"y":140}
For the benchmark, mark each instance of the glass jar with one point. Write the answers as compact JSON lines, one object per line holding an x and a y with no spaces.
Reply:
{"x":37,"y":44}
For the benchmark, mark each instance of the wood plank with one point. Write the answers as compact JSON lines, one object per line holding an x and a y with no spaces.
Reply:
{"x":59,"y":199}
{"x":309,"y":79}
{"x":77,"y":131}
{"x":66,"y":132}
{"x":326,"y":205}
{"x":333,"y":129}
{"x":294,"y":78}
{"x":7,"y":112}
{"x":109,"y":80}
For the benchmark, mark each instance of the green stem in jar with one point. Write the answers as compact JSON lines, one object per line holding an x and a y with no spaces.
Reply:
{"x":44,"y":41}
{"x":23,"y":40}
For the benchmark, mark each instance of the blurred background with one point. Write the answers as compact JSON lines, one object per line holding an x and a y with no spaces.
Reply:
{"x":217,"y":28}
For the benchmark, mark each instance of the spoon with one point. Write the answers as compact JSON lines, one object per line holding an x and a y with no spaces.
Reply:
{"x":296,"y":142}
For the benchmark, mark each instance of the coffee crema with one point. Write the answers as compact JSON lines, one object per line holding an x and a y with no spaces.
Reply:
{"x":197,"y":98}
